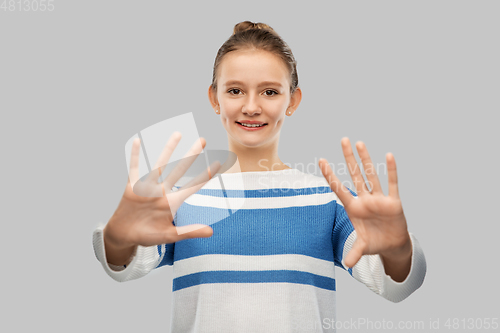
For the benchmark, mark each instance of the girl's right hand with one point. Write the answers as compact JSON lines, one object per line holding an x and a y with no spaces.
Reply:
{"x":146,"y":218}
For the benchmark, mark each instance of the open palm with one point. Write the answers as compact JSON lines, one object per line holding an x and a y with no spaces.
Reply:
{"x":146,"y":211}
{"x":378,"y":219}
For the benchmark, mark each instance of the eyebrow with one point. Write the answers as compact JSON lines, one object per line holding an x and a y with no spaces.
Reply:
{"x":264,"y":83}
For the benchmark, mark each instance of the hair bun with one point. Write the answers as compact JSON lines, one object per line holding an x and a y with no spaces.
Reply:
{"x":247,"y":25}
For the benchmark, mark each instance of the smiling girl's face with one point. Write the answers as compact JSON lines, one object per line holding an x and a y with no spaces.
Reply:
{"x":253,"y":85}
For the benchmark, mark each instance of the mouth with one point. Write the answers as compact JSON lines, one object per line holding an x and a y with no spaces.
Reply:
{"x":251,"y":127}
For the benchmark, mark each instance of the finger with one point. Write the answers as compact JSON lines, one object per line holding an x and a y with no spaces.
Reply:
{"x":342,"y":192}
{"x":392,"y":175}
{"x":175,"y":199}
{"x":133,"y":175}
{"x":357,"y":177}
{"x":203,"y":177}
{"x":184,"y":163}
{"x":354,"y":254}
{"x":169,"y":148}
{"x":369,"y":168}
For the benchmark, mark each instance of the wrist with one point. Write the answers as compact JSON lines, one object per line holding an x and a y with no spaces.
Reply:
{"x":401,"y":253}
{"x":113,"y":235}
{"x":397,"y":262}
{"x":117,"y":253}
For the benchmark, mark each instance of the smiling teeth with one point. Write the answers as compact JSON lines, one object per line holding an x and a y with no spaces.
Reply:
{"x":246,"y":125}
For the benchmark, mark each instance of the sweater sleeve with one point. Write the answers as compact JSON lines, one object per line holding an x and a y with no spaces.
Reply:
{"x":140,"y":263}
{"x":369,"y":270}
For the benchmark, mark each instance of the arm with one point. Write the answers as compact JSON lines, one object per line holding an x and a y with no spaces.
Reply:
{"x":141,"y":262}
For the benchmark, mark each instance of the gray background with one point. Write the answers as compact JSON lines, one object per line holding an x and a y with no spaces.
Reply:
{"x":416,"y":78}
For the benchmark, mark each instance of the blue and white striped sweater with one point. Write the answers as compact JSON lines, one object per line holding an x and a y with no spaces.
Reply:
{"x":269,"y":265}
{"x":317,"y":231}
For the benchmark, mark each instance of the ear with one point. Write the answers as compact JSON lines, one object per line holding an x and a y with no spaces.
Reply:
{"x":212,"y":97}
{"x":294,"y":101}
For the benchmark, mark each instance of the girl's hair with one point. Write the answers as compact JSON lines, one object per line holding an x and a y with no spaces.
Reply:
{"x":249,"y":35}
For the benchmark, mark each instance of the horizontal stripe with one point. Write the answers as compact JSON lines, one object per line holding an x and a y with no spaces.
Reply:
{"x":294,"y":230}
{"x":279,"y":200}
{"x":224,"y":262}
{"x":266,"y":189}
{"x":265,"y":192}
{"x":274,"y":276}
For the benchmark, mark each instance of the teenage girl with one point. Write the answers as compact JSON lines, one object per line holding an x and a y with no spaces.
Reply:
{"x":254,"y":87}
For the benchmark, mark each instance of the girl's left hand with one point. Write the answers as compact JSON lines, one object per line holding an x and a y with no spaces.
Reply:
{"x":378,"y":219}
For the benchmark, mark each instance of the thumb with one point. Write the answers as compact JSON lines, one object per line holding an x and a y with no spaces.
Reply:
{"x":354,"y":254}
{"x":194,"y":231}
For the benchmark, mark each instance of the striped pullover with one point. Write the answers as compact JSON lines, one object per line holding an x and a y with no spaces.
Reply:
{"x":270,"y":264}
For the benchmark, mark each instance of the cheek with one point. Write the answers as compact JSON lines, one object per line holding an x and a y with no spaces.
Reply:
{"x":280,"y":103}
{"x":230,"y":105}
{"x":226,"y":118}
{"x":278,"y":109}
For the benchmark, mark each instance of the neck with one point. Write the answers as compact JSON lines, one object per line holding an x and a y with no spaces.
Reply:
{"x":256,"y":159}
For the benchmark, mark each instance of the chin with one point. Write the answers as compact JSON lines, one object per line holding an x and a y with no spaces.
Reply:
{"x":248,"y":143}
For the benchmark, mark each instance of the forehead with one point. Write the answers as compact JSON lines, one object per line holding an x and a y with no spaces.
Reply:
{"x":252,"y":67}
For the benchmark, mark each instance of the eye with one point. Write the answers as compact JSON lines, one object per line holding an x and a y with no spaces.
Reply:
{"x":236,"y":91}
{"x":272,"y":92}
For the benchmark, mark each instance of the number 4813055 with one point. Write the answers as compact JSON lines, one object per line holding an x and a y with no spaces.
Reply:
{"x":27,"y":5}
{"x":472,"y":323}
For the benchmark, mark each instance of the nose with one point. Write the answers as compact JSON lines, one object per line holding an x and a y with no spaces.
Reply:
{"x":251,"y":105}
